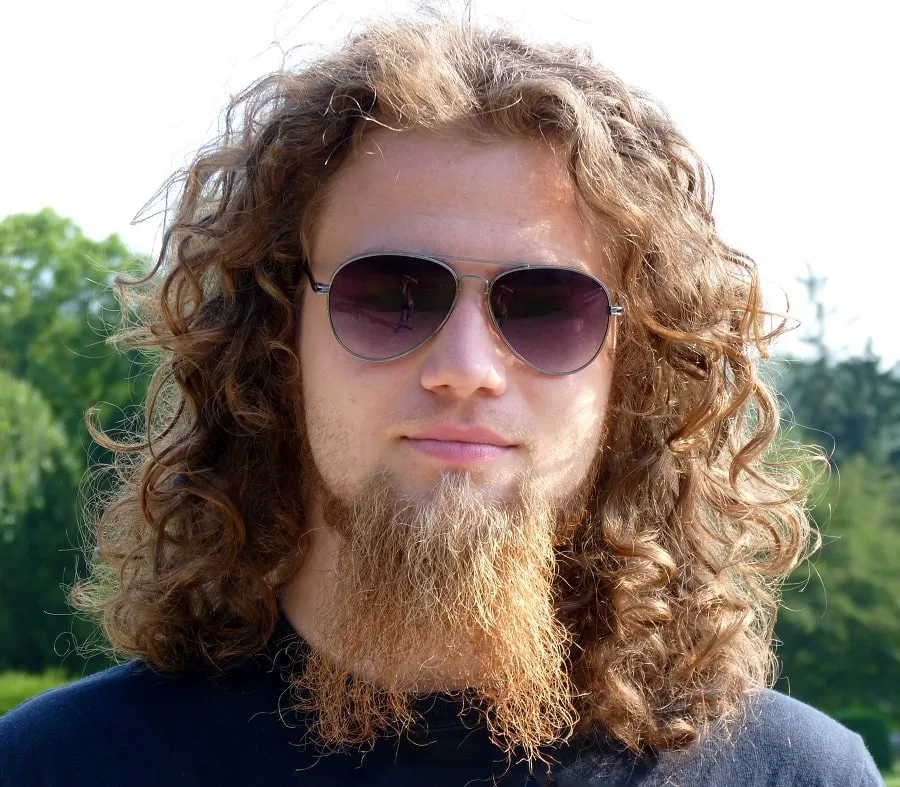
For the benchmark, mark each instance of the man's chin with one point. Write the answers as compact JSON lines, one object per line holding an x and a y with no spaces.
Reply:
{"x":424,"y":484}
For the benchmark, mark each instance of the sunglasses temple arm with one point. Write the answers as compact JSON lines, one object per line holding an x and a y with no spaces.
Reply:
{"x":317,"y":287}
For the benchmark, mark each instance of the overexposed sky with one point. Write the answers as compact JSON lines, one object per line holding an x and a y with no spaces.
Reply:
{"x":793,"y":104}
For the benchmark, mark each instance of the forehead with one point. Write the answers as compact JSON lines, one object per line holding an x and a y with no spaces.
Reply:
{"x":452,"y":197}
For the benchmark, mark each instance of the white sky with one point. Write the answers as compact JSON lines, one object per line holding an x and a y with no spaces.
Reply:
{"x":793,"y":104}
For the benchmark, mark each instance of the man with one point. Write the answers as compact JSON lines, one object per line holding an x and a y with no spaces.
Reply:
{"x":531,"y":540}
{"x":407,"y":304}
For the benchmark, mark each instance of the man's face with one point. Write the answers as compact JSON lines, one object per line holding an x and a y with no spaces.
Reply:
{"x":445,"y":197}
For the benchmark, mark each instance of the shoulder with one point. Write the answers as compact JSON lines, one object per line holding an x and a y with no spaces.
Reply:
{"x":79,"y":733}
{"x":783,"y":718}
{"x":62,"y":720}
{"x":75,"y":701}
{"x":54,"y":718}
{"x":784,"y":741}
{"x":93,"y":698}
{"x":780,"y":742}
{"x":795,"y":729}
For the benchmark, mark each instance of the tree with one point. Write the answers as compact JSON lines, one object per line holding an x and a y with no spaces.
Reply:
{"x":840,"y":629}
{"x":30,"y":442}
{"x":38,"y":471}
{"x":851,"y":406}
{"x":57,"y":306}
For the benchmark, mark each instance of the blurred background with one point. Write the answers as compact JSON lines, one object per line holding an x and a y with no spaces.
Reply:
{"x":791,"y":105}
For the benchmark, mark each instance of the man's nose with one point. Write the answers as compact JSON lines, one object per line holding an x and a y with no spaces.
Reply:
{"x":466,"y":356}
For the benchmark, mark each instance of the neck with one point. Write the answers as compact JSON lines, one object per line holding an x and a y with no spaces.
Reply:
{"x":306,"y":593}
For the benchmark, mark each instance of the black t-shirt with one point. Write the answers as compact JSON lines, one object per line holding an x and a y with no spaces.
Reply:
{"x":131,"y":725}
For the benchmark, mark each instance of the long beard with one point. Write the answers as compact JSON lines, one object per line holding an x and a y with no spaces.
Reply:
{"x":452,"y":594}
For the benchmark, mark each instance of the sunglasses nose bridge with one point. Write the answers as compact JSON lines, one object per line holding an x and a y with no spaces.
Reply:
{"x":485,"y":281}
{"x":459,"y":280}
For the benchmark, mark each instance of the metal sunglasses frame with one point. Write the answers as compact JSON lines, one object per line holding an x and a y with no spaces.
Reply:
{"x":324,"y":288}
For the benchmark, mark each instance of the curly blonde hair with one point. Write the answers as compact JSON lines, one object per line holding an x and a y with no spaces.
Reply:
{"x":669,"y":587}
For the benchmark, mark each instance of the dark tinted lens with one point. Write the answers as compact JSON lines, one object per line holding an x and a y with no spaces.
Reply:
{"x":555,"y":319}
{"x":383,"y":305}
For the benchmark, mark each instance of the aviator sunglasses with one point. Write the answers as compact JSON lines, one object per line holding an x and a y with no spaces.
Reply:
{"x":383,"y":306}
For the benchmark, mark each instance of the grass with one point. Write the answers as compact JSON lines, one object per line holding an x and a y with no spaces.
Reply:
{"x":16,"y":687}
{"x":892,"y":779}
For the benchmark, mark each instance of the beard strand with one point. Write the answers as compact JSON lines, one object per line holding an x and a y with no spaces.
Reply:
{"x":454,"y":594}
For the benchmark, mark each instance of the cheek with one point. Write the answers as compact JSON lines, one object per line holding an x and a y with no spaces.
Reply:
{"x":334,"y":426}
{"x":579,"y":417}
{"x":327,"y":397}
{"x":342,"y":405}
{"x":573,"y":426}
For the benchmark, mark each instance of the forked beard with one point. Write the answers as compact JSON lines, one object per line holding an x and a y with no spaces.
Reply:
{"x":455,"y":594}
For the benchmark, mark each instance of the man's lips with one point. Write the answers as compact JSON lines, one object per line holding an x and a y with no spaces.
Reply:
{"x":461,"y":434}
{"x":460,"y":443}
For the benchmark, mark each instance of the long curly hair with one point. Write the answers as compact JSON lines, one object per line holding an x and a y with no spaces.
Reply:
{"x":669,"y":586}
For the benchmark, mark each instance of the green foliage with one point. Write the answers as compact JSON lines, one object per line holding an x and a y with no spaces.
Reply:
{"x":31,"y":444}
{"x":851,"y":407}
{"x":16,"y":687}
{"x":57,"y":306}
{"x":875,"y":729}
{"x":840,"y":627}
